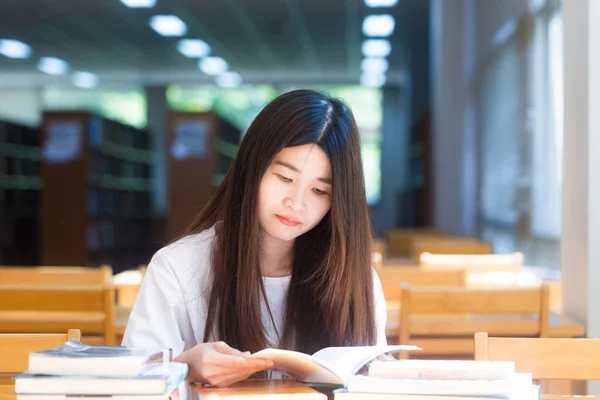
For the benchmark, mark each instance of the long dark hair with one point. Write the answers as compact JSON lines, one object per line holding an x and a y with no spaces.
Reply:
{"x":330,"y":297}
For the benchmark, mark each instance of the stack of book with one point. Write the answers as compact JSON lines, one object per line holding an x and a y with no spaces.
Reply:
{"x":440,"y":380}
{"x":75,"y":370}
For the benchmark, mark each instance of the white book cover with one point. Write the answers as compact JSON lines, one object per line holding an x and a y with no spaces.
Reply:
{"x":442,"y":369}
{"x":483,"y":388}
{"x":74,"y":358}
{"x":155,"y":379}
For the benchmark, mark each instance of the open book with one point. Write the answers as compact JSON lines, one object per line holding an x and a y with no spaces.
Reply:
{"x":331,"y":365}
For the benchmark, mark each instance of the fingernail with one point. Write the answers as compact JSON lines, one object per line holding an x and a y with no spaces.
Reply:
{"x":247,"y":353}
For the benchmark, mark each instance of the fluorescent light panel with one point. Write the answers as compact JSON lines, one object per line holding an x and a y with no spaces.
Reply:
{"x":373,"y":80}
{"x":376,"y":48}
{"x":53,"y":66}
{"x":213,"y":65}
{"x":14,"y":49}
{"x":139,"y":3}
{"x":85,"y":80}
{"x":193,"y":48}
{"x":380,"y":3}
{"x":375,"y":65}
{"x":378,"y":25}
{"x":168,"y":25}
{"x":229,"y":79}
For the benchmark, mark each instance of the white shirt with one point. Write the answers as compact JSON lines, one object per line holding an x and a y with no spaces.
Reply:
{"x":171,"y":307}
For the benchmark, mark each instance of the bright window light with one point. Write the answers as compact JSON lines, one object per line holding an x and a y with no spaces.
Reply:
{"x":193,"y":48}
{"x":139,"y":3}
{"x":375,"y":65}
{"x":53,"y":66}
{"x":376,"y":48}
{"x":168,"y":25}
{"x":14,"y":49}
{"x":85,"y":80}
{"x":229,"y":79}
{"x":213,"y":65}
{"x":373,"y":80}
{"x":380,"y":3}
{"x":378,"y":25}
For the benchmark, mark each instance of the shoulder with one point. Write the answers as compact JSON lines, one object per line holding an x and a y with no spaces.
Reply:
{"x":186,"y":260}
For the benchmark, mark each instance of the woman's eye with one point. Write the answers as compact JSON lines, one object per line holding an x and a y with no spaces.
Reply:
{"x":283,"y":178}
{"x":320,"y":192}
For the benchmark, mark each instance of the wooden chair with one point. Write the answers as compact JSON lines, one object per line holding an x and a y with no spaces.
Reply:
{"x":444,"y":320}
{"x":544,"y":358}
{"x":473,"y":263}
{"x":399,"y":241}
{"x":449,"y":245}
{"x":392,"y":279}
{"x":378,"y":253}
{"x":62,"y":276}
{"x":127,"y":285}
{"x":15,"y":349}
{"x":55,"y":309}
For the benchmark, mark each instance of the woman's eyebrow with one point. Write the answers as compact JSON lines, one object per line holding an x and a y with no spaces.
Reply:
{"x":293,"y":168}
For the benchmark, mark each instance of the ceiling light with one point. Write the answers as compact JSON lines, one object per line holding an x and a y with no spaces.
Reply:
{"x":168,"y":25}
{"x":139,"y":3}
{"x":373,"y":80}
{"x":375,"y":65}
{"x":376,"y":48}
{"x":213,"y":65}
{"x":229,"y":79}
{"x":14,"y":49}
{"x":380,"y":3}
{"x":378,"y":25}
{"x":85,"y":80}
{"x":53,"y":66}
{"x":193,"y":48}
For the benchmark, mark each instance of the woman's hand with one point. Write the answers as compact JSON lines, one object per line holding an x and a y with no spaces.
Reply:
{"x":218,"y":364}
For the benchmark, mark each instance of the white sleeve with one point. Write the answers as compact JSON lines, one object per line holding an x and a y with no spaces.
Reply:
{"x":156,"y":315}
{"x":380,"y":310}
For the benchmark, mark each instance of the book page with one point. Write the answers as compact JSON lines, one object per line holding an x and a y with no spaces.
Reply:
{"x":347,"y":361}
{"x":300,"y":366}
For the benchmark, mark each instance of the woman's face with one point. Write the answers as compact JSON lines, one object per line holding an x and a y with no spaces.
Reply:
{"x":295,"y":192}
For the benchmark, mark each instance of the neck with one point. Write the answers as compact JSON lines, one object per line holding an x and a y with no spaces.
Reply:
{"x":276,"y":257}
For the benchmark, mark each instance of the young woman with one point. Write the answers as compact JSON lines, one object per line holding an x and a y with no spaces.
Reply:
{"x":280,"y":257}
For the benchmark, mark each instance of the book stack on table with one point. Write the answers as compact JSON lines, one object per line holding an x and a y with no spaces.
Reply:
{"x":440,"y":380}
{"x":75,"y":370}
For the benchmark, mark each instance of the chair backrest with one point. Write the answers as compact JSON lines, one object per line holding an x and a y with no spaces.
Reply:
{"x":378,"y":253}
{"x":544,"y":358}
{"x":392,"y":279}
{"x":127,"y":285}
{"x":473,"y":262}
{"x":506,"y":312}
{"x":449,"y":245}
{"x":63,"y":276}
{"x":399,"y":241}
{"x":15,"y":348}
{"x":55,"y":309}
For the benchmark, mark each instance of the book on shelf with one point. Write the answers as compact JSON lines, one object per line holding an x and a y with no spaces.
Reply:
{"x":154,"y":379}
{"x":331,"y":365}
{"x":74,"y":358}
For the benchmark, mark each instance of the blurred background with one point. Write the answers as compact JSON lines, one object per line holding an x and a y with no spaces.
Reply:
{"x":119,"y":118}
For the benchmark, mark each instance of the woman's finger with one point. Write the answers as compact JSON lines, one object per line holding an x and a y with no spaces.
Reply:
{"x":224,"y":348}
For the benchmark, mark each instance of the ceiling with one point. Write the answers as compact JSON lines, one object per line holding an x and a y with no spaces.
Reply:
{"x":287,"y":41}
